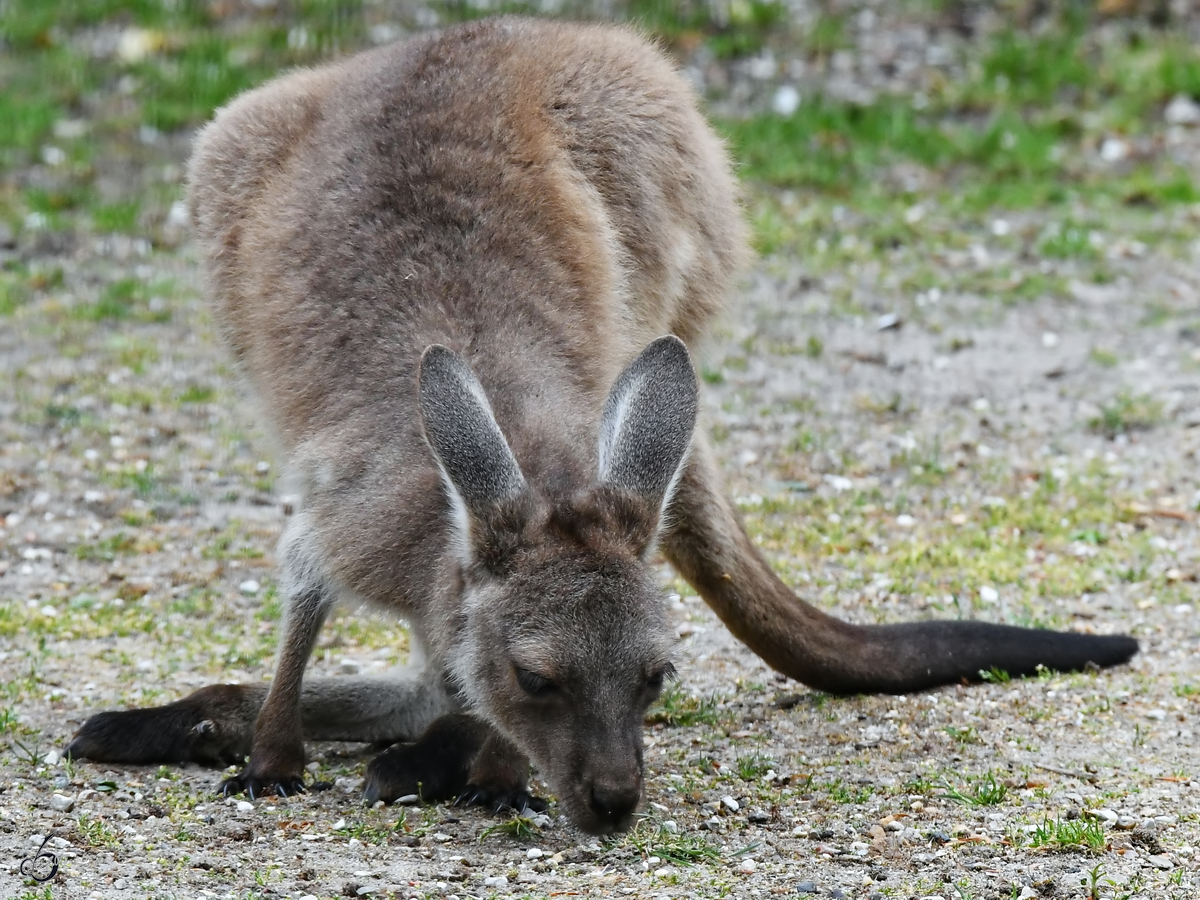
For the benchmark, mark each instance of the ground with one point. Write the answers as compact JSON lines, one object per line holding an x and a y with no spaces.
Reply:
{"x":963,"y":380}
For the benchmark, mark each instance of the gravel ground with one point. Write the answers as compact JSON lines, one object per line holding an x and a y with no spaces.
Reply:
{"x":139,"y":506}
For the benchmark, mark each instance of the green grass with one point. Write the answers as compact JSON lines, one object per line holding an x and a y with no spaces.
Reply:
{"x":678,"y":709}
{"x":1070,"y":834}
{"x":649,"y":837}
{"x":984,"y":790}
{"x":1126,"y":413}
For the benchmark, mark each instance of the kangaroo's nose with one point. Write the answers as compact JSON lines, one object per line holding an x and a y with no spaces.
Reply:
{"x":615,"y":802}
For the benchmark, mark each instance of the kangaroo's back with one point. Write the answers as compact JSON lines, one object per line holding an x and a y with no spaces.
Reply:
{"x":551,"y":187}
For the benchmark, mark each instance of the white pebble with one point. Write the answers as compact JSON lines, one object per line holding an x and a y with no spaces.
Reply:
{"x":59,"y":803}
{"x":245,"y":806}
{"x":249,"y":587}
{"x":988,"y":594}
{"x":533,"y":853}
{"x":730,"y":804}
{"x":786,"y":100}
{"x":747,"y":865}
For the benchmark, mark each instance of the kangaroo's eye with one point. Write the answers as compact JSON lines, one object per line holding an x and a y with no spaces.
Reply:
{"x":656,"y":679}
{"x":533,"y":684}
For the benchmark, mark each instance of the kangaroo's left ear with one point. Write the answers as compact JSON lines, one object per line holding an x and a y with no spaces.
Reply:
{"x":648,"y":420}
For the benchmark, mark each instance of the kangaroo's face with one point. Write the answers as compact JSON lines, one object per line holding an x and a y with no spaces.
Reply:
{"x":562,"y":639}
{"x":563,"y":656}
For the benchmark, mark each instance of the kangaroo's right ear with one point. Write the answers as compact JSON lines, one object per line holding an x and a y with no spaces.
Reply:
{"x":478,"y":467}
{"x":647,"y":424}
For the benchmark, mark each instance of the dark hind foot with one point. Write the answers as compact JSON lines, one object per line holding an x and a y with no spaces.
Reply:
{"x":436,"y":767}
{"x":212,"y":726}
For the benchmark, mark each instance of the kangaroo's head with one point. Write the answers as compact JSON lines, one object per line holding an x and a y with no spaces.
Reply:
{"x":563,"y":640}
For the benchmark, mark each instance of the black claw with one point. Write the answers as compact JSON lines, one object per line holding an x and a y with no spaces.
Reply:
{"x":503,"y":801}
{"x":255,"y":788}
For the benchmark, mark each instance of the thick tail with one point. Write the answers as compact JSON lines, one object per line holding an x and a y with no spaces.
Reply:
{"x":709,"y":547}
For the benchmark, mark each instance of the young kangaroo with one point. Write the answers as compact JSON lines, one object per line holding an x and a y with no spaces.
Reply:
{"x":446,"y":268}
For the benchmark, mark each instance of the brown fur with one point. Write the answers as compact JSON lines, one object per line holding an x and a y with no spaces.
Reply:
{"x":545,"y":200}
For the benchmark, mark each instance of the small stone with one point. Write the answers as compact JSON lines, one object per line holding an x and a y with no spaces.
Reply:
{"x":905,"y":521}
{"x":534,"y":853}
{"x":806,"y":887}
{"x":1049,"y":339}
{"x":988,"y":594}
{"x":52,"y":758}
{"x":670,"y":826}
{"x":1127,"y":823}
{"x":1028,"y":893}
{"x":339,"y":825}
{"x":495,"y":881}
{"x":888,"y":322}
{"x":349,"y":667}
{"x":249,"y":587}
{"x":245,"y":806}
{"x":1105,"y":815}
{"x":838,"y":894}
{"x":786,"y":100}
{"x":408,"y":800}
{"x":730,"y":804}
{"x":1182,"y":110}
{"x":1156,"y":714}
{"x":441,"y":837}
{"x":59,"y":803}
{"x":757,"y":816}
{"x":1160,"y":862}
{"x":747,"y":866}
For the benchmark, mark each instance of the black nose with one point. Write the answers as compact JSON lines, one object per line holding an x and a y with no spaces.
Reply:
{"x":615,"y":802}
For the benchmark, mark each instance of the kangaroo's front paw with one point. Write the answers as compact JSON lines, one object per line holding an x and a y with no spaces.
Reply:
{"x":435,"y":768}
{"x":502,"y":799}
{"x":212,"y":726}
{"x":255,"y":786}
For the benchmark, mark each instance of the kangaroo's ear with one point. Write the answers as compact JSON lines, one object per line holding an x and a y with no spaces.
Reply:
{"x":478,"y":467}
{"x":646,"y":428}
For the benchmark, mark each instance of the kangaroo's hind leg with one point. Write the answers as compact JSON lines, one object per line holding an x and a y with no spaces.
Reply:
{"x":215,"y":724}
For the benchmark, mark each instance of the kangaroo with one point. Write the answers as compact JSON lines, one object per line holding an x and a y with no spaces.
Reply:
{"x":461,"y":274}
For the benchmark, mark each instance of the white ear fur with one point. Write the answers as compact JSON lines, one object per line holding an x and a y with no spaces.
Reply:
{"x":648,"y":421}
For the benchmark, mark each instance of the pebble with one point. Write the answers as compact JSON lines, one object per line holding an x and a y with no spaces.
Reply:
{"x":59,"y":803}
{"x":1182,"y":110}
{"x":730,"y":804}
{"x":52,"y":757}
{"x":1160,"y":862}
{"x":806,"y":887}
{"x":249,"y":587}
{"x":747,"y":866}
{"x":670,"y":826}
{"x":408,"y":800}
{"x":495,"y":881}
{"x":245,"y":806}
{"x":534,"y":853}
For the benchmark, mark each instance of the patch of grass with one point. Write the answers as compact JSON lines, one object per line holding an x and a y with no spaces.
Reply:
{"x":676,"y":708}
{"x":96,"y":832}
{"x":1126,"y":413}
{"x":119,"y":216}
{"x":1067,"y":834}
{"x":650,"y":837}
{"x":197,"y":393}
{"x":752,"y":767}
{"x":519,"y":827}
{"x":984,"y":790}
